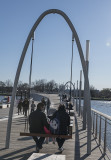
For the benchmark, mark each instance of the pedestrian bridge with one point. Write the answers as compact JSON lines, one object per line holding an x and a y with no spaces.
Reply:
{"x":84,"y":143}
{"x":75,"y":148}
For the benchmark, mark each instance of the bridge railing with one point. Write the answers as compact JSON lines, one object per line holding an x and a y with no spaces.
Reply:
{"x":101,"y":128}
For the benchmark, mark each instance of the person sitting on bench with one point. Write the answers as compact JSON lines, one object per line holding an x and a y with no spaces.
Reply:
{"x":64,"y":120}
{"x":37,"y":121}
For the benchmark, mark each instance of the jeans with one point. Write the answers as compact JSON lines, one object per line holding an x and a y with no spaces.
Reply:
{"x":39,"y":141}
{"x":60,"y":141}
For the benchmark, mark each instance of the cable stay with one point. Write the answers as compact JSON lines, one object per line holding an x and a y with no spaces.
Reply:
{"x":26,"y":133}
{"x":71,"y":67}
{"x":31,"y":65}
{"x":30,"y":74}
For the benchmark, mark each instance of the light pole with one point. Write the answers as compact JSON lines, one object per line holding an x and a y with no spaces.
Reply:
{"x":74,"y":95}
{"x":85,"y":94}
{"x":80,"y":87}
{"x":77,"y":97}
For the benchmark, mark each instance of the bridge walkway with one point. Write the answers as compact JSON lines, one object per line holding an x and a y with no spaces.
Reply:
{"x":21,"y":148}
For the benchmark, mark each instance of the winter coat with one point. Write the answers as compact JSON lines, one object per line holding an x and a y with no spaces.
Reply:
{"x":37,"y":121}
{"x":64,"y":120}
{"x":19,"y":105}
{"x":26,"y":104}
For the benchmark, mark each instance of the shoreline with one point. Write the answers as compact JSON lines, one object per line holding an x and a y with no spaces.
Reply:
{"x":98,"y":99}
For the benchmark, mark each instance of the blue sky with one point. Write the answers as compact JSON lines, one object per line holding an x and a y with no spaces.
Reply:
{"x":53,"y":40}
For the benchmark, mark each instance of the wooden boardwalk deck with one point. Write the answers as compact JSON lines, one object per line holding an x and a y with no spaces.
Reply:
{"x":21,"y":148}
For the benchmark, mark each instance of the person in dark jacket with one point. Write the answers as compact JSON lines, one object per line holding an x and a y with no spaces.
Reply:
{"x":64,"y":120}
{"x":37,"y":121}
{"x":33,"y":106}
{"x":44,"y":102}
{"x":19,"y":106}
{"x":48,"y":105}
{"x":25,"y":106}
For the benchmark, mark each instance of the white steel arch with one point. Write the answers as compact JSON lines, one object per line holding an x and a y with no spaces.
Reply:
{"x":83,"y":66}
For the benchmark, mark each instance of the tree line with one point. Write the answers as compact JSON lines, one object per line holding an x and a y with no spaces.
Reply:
{"x":38,"y":85}
{"x":43,"y":85}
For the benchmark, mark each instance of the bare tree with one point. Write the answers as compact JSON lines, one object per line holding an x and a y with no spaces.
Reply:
{"x":8,"y":83}
{"x":2,"y":86}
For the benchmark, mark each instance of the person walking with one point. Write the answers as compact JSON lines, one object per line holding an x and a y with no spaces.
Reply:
{"x":19,"y":106}
{"x":33,"y":106}
{"x":25,"y":106}
{"x":37,"y":121}
{"x":48,"y":105}
{"x":44,"y":102}
{"x":64,"y":122}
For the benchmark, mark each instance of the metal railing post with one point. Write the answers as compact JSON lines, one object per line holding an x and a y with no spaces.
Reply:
{"x":96,"y":125}
{"x":100,"y":131}
{"x":97,"y":130}
{"x":104,"y":151}
{"x":81,"y":113}
{"x":93,"y":121}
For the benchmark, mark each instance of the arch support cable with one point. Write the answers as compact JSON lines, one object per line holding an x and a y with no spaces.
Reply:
{"x":31,"y":65}
{"x":71,"y":65}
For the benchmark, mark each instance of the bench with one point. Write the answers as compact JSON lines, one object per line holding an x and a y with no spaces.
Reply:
{"x":46,"y":156}
{"x":69,"y":136}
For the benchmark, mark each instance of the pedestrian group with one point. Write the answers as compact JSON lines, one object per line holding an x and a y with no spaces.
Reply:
{"x":46,"y":120}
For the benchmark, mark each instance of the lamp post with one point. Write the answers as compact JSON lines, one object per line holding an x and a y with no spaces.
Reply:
{"x":74,"y":95}
{"x":77,"y":97}
{"x":80,"y":87}
{"x":85,"y":95}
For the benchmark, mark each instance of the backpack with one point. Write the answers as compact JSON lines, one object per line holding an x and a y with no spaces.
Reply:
{"x":54,"y":126}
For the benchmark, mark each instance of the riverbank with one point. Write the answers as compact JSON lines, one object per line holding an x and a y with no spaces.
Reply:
{"x":5,"y":94}
{"x":98,"y":99}
{"x":92,"y":98}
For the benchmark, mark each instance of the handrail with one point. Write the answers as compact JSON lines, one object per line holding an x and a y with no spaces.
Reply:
{"x":100,"y":129}
{"x":102,"y":114}
{"x":98,"y":126}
